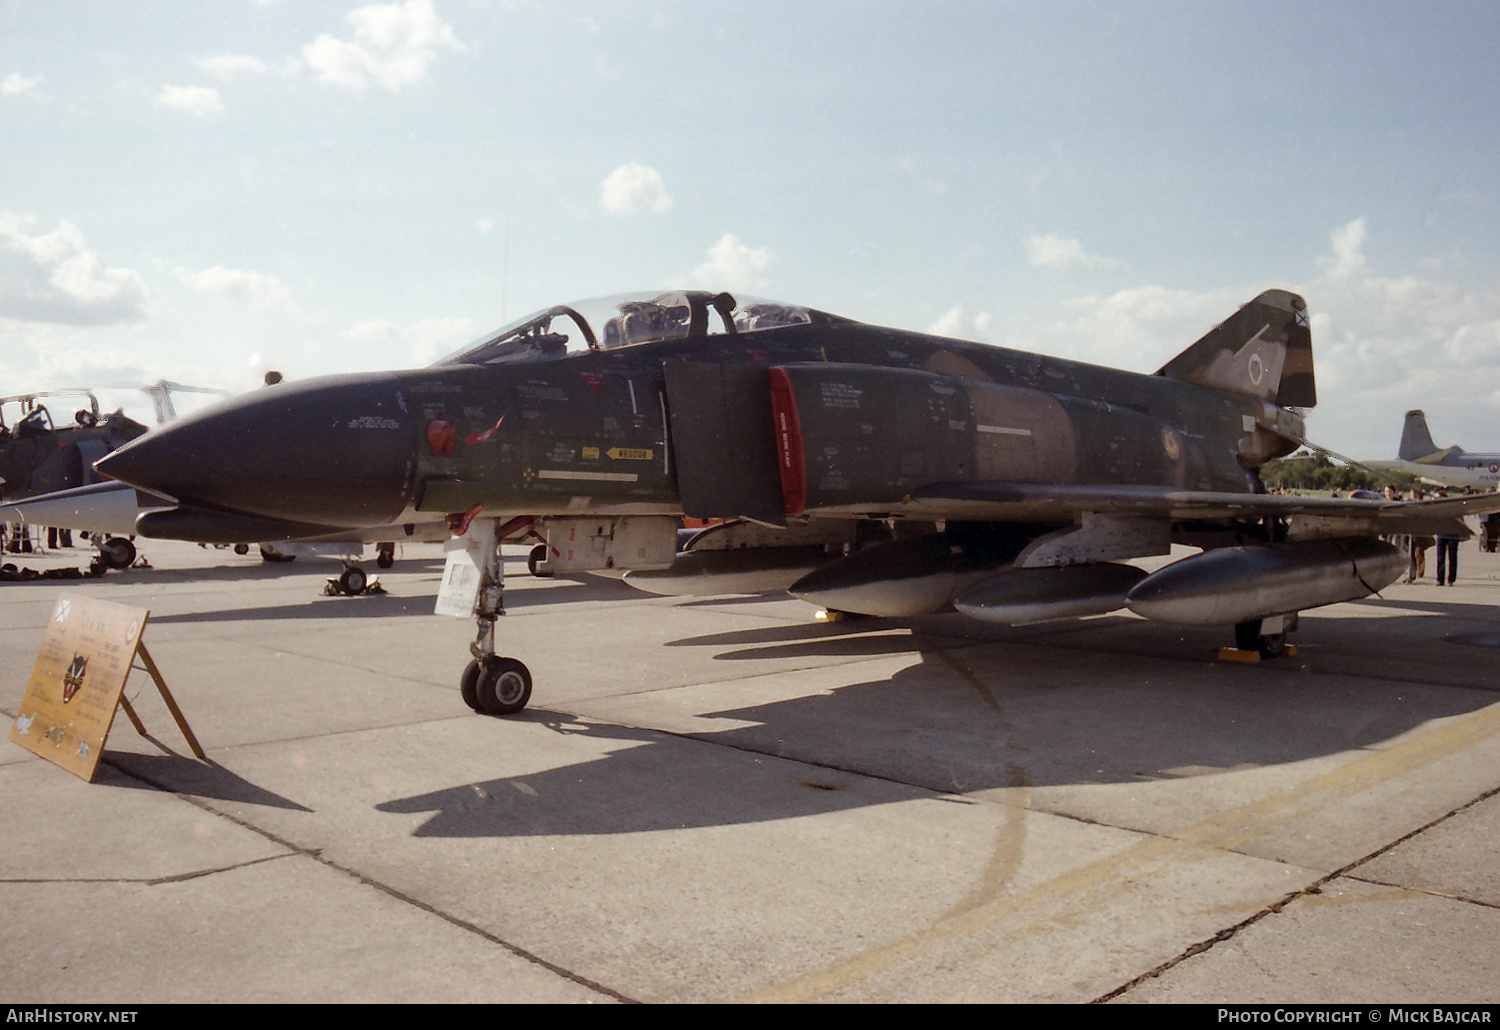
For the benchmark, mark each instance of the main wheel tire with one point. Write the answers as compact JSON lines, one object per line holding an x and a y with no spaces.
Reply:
{"x":503,"y":686}
{"x":534,"y":561}
{"x":385,"y":555}
{"x":1248,"y":637}
{"x":118,"y":552}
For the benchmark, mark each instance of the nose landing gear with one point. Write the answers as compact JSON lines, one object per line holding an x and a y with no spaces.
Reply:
{"x":491,"y":684}
{"x":496,"y":686}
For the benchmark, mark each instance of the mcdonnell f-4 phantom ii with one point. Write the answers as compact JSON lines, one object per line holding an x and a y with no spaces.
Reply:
{"x":1452,"y":466}
{"x":873,"y":471}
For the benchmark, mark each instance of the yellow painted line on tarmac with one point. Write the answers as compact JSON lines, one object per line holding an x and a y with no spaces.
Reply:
{"x":1087,"y":885}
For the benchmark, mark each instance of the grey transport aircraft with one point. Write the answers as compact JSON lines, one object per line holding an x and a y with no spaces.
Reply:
{"x":869,"y":470}
{"x":1444,"y":466}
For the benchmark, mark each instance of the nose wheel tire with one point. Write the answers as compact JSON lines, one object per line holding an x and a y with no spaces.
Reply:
{"x":496,"y":686}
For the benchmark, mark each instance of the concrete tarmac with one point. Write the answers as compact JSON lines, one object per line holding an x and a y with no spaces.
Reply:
{"x":724,"y":799}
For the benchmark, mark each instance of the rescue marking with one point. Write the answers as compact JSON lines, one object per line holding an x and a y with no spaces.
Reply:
{"x":1004,"y":430}
{"x":629,"y":453}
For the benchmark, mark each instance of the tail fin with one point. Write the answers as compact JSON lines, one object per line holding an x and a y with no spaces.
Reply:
{"x":1263,"y":350}
{"x":1416,"y":439}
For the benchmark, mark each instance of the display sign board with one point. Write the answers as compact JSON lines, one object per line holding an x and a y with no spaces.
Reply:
{"x":76,"y":684}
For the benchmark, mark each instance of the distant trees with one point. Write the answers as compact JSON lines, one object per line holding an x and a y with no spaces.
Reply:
{"x":1307,"y":471}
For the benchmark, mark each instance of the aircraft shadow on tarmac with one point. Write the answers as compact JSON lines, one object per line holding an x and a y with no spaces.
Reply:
{"x":368,"y":606}
{"x":968,"y":716}
{"x":180,"y":774}
{"x":408,"y":597}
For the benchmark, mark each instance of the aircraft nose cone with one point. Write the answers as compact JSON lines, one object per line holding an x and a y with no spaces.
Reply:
{"x":336,"y":451}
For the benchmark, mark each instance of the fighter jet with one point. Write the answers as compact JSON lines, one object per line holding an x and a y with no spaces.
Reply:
{"x":1444,"y":466}
{"x":870,"y":470}
{"x":40,"y":455}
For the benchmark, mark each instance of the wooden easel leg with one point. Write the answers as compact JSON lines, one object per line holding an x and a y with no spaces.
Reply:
{"x":166,"y":696}
{"x":135,"y":720}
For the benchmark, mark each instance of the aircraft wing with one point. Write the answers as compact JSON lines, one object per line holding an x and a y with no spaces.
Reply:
{"x":1041,"y":502}
{"x":110,"y":508}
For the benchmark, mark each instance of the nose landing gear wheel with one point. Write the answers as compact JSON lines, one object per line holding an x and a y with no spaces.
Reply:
{"x":495,"y":685}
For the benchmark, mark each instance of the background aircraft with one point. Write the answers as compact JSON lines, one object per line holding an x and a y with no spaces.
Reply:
{"x":1443,"y":466}
{"x":41,"y":454}
{"x":875,"y":471}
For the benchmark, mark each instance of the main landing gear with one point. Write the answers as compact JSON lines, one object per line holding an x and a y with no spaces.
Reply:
{"x":352,"y":582}
{"x":491,"y":684}
{"x":117,"y":552}
{"x":1260,"y":639}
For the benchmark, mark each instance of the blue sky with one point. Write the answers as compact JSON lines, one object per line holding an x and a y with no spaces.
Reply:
{"x":199,"y":191}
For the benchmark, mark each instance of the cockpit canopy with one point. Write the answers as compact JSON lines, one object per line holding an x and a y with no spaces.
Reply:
{"x":608,"y":323}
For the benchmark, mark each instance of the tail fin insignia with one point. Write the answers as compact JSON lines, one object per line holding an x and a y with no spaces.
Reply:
{"x":1263,"y":350}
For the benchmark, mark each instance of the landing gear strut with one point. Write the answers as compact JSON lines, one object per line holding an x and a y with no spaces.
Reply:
{"x":491,"y":684}
{"x":1258,"y":639}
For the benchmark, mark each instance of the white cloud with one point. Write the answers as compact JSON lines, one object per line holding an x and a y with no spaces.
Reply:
{"x":1381,"y":343}
{"x":243,"y":289}
{"x":956,"y":323}
{"x":1062,"y":252}
{"x":17,"y":85}
{"x":1140,"y":328}
{"x":421,"y":342}
{"x":55,"y":278}
{"x":731,"y":265}
{"x":393,"y":45}
{"x":632,"y":188}
{"x":195,"y":100}
{"x":1414,"y":335}
{"x":1348,"y":250}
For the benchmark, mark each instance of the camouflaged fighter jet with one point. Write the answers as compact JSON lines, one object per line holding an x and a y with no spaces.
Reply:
{"x":1452,"y":466}
{"x":869,"y":470}
{"x":40,"y":455}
